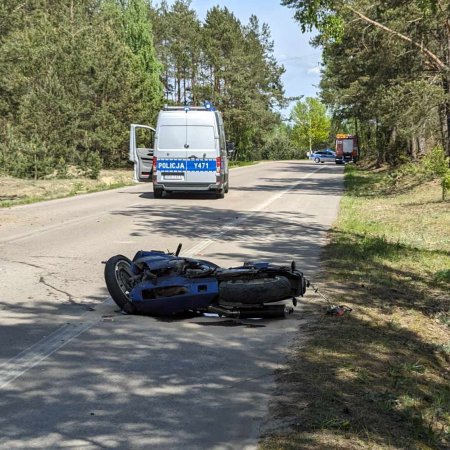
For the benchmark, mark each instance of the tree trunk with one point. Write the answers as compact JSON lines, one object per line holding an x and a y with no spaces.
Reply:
{"x":412,"y":147}
{"x":380,"y":143}
{"x":446,"y":79}
{"x":193,"y":85}
{"x":447,"y":141}
{"x":445,"y":115}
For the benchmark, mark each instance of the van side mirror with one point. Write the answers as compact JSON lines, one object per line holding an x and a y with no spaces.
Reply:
{"x":230,"y":148}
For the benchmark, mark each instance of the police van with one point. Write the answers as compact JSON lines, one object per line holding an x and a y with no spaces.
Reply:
{"x":190,"y":152}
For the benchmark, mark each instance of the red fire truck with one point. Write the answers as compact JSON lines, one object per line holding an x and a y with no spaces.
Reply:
{"x":346,"y":148}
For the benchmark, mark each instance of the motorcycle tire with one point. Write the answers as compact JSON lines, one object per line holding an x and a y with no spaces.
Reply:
{"x":256,"y":291}
{"x":118,"y":281}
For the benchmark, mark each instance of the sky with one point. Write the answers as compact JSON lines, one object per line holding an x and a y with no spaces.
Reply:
{"x":291,"y":46}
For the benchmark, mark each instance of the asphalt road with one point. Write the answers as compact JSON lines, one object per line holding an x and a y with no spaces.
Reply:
{"x":76,"y":373}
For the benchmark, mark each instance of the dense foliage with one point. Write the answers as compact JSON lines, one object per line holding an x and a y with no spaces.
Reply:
{"x":75,"y":74}
{"x":386,"y":73}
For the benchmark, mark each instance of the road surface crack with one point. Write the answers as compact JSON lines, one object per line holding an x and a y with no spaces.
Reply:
{"x":71,"y":299}
{"x":24,"y":263}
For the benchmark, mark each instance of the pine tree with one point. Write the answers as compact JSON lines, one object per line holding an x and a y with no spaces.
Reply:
{"x":75,"y":75}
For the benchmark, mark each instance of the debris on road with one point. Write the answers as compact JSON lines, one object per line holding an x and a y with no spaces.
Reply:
{"x":334,"y":310}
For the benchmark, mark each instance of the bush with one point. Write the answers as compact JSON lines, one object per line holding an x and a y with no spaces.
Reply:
{"x":445,"y":184}
{"x":435,"y":163}
{"x":278,"y":146}
{"x":25,"y":159}
{"x":90,"y":164}
{"x":29,"y":157}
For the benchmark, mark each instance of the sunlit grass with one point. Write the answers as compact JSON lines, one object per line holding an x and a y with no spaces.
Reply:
{"x":15,"y":191}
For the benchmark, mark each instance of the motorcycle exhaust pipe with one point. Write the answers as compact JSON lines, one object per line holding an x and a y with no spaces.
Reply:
{"x":223,"y":312}
{"x":267,"y":312}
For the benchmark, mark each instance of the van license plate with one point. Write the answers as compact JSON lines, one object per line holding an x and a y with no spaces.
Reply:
{"x":173,"y":177}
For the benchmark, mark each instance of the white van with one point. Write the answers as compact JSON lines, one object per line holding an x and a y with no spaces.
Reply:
{"x":190,"y":152}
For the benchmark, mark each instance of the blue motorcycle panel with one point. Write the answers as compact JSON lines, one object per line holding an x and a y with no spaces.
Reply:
{"x":174,"y":295}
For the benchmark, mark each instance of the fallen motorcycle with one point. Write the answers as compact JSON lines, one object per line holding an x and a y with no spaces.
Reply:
{"x":165,"y":284}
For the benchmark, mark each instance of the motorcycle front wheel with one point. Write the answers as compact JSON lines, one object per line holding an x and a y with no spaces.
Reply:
{"x":119,"y":281}
{"x":256,"y":291}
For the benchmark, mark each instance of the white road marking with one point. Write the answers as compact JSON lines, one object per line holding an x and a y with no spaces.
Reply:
{"x":32,"y":356}
{"x":202,"y":245}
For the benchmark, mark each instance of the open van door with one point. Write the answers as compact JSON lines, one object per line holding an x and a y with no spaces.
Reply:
{"x":142,"y":138}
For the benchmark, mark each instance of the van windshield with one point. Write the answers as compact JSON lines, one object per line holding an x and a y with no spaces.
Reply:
{"x":172,"y":137}
{"x":200,"y":137}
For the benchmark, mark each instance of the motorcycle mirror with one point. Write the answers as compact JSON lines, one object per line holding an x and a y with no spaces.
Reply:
{"x":178,"y":249}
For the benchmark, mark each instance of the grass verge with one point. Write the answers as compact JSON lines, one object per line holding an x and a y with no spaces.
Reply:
{"x":378,"y":377}
{"x":16,"y":191}
{"x":241,"y":163}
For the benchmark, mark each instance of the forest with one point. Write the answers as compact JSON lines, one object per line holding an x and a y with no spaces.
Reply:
{"x":75,"y":74}
{"x":386,"y":71}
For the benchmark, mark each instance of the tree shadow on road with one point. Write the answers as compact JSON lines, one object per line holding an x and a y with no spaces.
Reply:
{"x":135,"y":382}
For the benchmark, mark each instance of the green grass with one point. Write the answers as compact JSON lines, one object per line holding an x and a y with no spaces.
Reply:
{"x":378,"y":377}
{"x":241,"y":163}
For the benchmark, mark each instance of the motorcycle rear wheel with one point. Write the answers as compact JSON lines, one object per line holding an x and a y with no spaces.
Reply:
{"x":256,"y":291}
{"x":118,"y":277}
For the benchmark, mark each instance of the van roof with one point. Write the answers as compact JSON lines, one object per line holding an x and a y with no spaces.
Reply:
{"x":191,"y":117}
{"x":184,"y":108}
